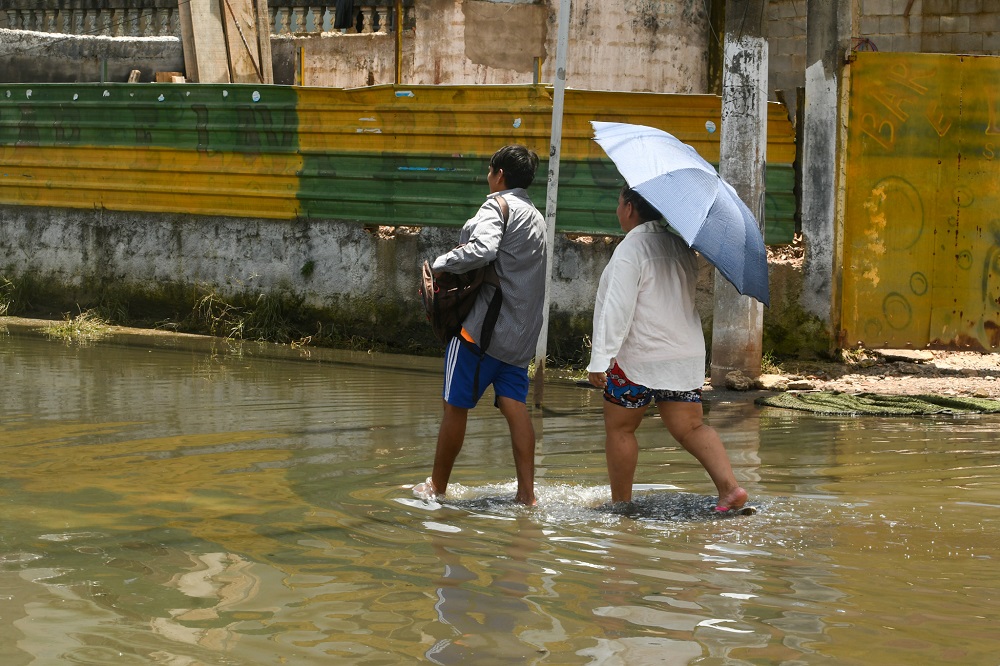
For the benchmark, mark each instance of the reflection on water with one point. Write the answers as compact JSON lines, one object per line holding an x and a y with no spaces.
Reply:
{"x":188,"y":505}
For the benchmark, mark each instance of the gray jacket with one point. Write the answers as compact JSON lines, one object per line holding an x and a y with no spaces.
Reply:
{"x":520,"y":262}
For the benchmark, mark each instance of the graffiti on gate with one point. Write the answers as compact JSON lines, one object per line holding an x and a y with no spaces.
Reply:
{"x":921,"y":249}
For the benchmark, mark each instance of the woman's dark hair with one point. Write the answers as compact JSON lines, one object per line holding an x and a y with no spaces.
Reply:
{"x":643,"y":207}
{"x":518,"y":164}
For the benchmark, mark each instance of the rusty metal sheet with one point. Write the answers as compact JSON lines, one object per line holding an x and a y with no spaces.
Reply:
{"x":921,"y":236}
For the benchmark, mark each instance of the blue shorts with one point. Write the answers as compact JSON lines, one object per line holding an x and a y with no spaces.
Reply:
{"x":620,"y":391}
{"x":461,"y":359}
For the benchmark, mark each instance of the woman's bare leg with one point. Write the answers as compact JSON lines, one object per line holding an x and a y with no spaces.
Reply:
{"x":621,"y":448}
{"x":684,"y":421}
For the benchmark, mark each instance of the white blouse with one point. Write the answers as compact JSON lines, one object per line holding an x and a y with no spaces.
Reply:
{"x":645,"y":316}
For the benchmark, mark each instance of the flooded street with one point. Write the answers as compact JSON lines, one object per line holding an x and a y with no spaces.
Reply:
{"x":192,"y":503}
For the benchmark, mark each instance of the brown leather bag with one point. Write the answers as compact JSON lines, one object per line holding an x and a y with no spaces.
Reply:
{"x":448,"y":298}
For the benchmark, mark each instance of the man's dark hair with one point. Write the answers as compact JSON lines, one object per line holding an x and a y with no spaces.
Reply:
{"x":518,"y":164}
{"x":646,"y":211}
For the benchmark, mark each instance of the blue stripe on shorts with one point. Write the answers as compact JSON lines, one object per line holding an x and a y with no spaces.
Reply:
{"x":460,"y":361}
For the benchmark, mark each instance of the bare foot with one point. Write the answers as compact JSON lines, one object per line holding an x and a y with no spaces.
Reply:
{"x":733,"y":500}
{"x":532,"y":502}
{"x":426,"y":490}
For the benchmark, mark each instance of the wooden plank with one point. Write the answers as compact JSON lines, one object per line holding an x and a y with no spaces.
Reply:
{"x":187,"y":41}
{"x":240,"y":27}
{"x":264,"y":40}
{"x":211,"y":65}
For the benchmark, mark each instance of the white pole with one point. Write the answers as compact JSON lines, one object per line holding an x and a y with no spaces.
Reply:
{"x":552,"y":192}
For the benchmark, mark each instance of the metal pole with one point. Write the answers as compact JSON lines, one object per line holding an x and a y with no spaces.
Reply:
{"x":552,"y":192}
{"x":738,"y":321}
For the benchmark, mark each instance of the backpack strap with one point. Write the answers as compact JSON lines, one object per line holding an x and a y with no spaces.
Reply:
{"x":504,"y":211}
{"x":493,"y":311}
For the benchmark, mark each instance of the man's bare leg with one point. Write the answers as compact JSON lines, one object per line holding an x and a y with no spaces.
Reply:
{"x":684,"y":421}
{"x":522,"y":439}
{"x":451,"y":436}
{"x":621,"y":448}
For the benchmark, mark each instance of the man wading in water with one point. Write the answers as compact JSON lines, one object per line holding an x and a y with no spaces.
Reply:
{"x":518,"y":248}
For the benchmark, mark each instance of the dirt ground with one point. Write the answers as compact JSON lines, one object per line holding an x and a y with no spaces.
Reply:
{"x":892,"y":372}
{"x":895,"y":372}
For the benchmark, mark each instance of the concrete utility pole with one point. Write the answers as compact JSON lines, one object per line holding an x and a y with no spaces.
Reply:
{"x":738,"y":321}
{"x":828,"y":40}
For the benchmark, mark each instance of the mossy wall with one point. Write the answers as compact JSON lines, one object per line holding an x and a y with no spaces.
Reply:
{"x":305,"y":282}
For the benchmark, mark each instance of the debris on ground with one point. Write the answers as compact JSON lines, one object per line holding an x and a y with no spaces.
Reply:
{"x":889,"y":372}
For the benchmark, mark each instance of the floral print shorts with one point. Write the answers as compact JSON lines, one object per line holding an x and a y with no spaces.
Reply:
{"x":620,"y":391}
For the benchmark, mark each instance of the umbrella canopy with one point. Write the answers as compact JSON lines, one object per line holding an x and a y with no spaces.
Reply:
{"x":693,"y":199}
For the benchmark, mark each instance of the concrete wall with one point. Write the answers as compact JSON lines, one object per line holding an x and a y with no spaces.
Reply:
{"x":786,"y":48}
{"x":475,"y":41}
{"x":361,"y":281}
{"x":632,"y":46}
{"x":932,"y":26}
{"x":39,"y":57}
{"x":348,"y":60}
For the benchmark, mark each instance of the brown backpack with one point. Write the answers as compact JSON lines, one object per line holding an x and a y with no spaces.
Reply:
{"x":449,"y":297}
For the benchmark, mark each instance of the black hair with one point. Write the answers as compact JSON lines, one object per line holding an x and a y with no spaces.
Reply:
{"x":518,"y":163}
{"x":646,"y":210}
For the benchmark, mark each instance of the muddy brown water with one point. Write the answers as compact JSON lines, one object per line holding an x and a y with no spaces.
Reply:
{"x":175,"y":502}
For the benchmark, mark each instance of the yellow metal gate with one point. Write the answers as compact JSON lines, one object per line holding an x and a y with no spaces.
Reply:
{"x":921,"y":238}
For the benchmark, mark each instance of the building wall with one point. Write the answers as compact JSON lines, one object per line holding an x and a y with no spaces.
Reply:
{"x":634,"y":45}
{"x":631,"y":46}
{"x":901,"y":26}
{"x":932,"y":26}
{"x":350,"y":60}
{"x":786,"y":48}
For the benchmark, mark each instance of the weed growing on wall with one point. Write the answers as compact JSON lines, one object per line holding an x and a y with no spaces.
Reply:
{"x":6,"y":298}
{"x":18,"y":294}
{"x":272,"y":316}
